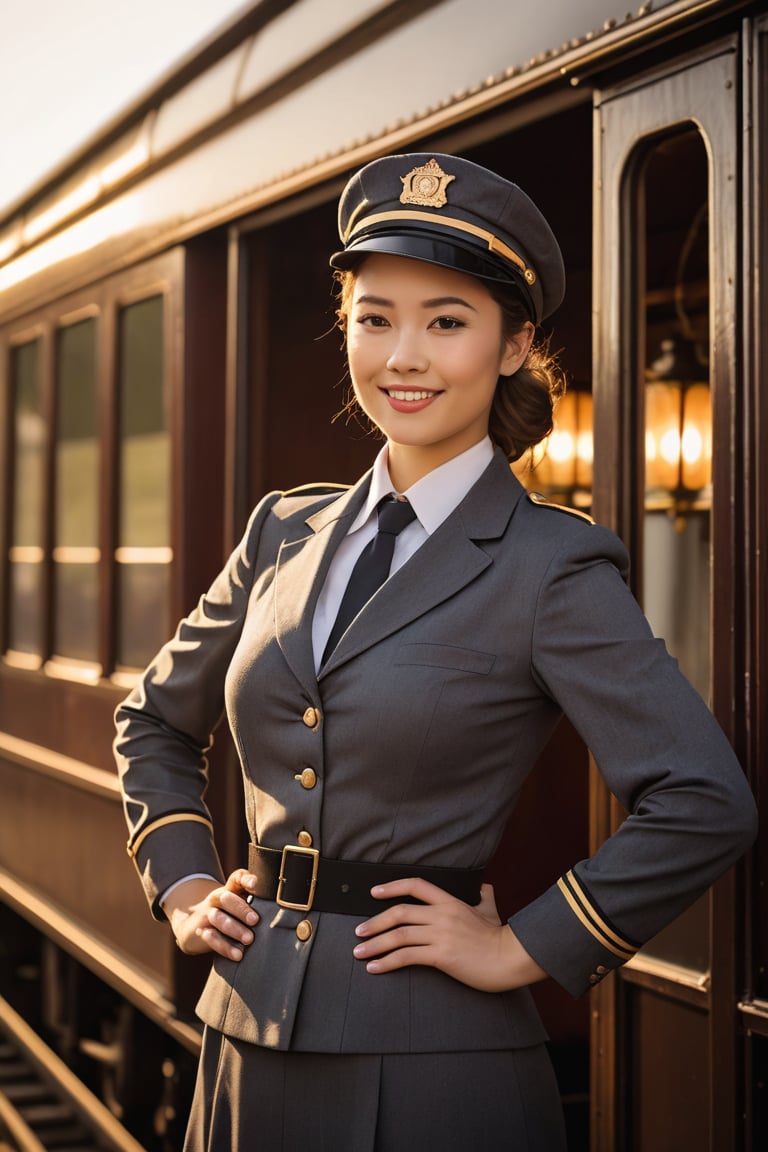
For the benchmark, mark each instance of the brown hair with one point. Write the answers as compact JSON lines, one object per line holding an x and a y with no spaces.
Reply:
{"x":523,"y":404}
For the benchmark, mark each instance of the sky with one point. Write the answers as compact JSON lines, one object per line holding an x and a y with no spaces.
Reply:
{"x":68,"y":67}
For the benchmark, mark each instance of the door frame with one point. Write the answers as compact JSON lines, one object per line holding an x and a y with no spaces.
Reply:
{"x":626,"y":117}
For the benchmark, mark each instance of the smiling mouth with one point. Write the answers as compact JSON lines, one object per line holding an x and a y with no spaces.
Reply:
{"x":409,"y":395}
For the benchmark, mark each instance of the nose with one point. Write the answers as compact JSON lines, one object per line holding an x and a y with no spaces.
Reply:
{"x":407,"y":354}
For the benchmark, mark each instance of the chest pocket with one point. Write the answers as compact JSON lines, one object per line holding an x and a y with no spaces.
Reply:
{"x":446,"y":656}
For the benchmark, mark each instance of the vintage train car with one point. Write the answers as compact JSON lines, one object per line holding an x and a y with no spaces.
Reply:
{"x":167,"y":355}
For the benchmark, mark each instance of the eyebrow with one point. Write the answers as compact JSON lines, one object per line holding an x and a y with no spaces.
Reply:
{"x":437,"y":302}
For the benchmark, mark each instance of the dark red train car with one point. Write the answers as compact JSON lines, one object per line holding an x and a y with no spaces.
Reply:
{"x":163,"y":363}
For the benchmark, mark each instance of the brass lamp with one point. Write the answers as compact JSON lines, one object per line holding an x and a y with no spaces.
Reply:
{"x":678,"y":432}
{"x":562,"y":464}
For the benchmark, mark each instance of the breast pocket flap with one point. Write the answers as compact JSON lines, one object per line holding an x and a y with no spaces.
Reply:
{"x":446,"y":656}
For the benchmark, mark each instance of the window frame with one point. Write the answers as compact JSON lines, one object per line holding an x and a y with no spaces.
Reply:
{"x":87,"y":669}
{"x":161,"y":276}
{"x":28,"y":334}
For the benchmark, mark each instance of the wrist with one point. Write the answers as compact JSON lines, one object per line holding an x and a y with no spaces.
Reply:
{"x":184,"y":897}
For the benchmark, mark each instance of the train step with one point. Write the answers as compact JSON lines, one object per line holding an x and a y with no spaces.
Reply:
{"x":43,"y":1106}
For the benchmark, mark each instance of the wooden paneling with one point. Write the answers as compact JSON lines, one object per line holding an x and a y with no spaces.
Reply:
{"x":668,"y":1080}
{"x":68,"y":844}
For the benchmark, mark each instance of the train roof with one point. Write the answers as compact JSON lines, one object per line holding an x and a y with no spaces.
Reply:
{"x":290,"y":95}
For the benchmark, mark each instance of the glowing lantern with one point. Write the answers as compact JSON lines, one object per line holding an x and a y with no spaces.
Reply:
{"x":678,"y":428}
{"x":563,"y":462}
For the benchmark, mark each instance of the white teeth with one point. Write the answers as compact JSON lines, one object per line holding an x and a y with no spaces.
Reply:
{"x":400,"y":395}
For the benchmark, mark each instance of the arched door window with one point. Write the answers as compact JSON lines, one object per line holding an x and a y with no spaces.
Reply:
{"x":674,"y":417}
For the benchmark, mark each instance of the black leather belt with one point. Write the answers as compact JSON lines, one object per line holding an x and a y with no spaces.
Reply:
{"x":301,"y":878}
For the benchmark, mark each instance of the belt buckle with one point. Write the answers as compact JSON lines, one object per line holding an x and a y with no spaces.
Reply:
{"x":299,"y":851}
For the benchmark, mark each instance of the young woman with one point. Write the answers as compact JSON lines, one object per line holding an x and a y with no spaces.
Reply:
{"x":364,"y":994}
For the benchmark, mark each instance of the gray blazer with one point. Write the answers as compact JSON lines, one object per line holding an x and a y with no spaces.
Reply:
{"x":420,"y":731}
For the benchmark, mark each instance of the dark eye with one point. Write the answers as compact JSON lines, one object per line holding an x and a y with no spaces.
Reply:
{"x":373,"y":321}
{"x":446,"y":323}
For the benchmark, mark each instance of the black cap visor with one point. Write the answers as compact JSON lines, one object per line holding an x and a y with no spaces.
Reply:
{"x":426,"y":246}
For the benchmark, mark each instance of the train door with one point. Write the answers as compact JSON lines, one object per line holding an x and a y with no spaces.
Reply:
{"x":665,"y":1052}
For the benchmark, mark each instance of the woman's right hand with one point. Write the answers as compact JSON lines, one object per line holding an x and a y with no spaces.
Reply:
{"x":209,"y":917}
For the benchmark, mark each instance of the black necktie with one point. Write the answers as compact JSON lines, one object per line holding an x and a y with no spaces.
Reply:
{"x":372,"y":567}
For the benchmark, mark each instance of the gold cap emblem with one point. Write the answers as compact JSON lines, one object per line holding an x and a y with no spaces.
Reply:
{"x":426,"y":186}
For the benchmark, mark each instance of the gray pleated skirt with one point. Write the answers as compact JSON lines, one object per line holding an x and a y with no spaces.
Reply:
{"x":251,"y":1099}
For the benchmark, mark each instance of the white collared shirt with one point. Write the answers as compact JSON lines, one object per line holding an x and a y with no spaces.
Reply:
{"x":433,"y":497}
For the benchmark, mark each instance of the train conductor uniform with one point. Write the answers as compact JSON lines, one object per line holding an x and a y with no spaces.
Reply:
{"x":407,"y":747}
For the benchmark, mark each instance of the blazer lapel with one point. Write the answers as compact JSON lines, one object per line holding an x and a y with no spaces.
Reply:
{"x":300,"y":571}
{"x":446,"y":562}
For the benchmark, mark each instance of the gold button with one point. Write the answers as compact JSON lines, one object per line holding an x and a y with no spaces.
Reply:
{"x":308,"y":778}
{"x":304,"y":929}
{"x":311,"y":717}
{"x":305,"y":839}
{"x":601,"y":971}
{"x":594,"y":978}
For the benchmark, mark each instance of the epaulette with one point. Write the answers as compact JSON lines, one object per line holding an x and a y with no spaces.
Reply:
{"x":318,"y":490}
{"x":542,"y":502}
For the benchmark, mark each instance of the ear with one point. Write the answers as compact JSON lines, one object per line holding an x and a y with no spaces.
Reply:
{"x":516,"y":348}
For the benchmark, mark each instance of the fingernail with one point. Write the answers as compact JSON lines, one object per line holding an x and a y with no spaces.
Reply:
{"x":377,"y":890}
{"x":361,"y":930}
{"x":374,"y":966}
{"x":252,"y":917}
{"x":359,"y":951}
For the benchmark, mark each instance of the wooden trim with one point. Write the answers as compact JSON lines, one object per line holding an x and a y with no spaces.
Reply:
{"x":754,"y":1016}
{"x":46,"y":762}
{"x":722,"y":130}
{"x":236,"y":496}
{"x":605,"y":1091}
{"x":176,"y":419}
{"x":248,"y":383}
{"x":754,"y":491}
{"x":6,"y":440}
{"x":628,"y":118}
{"x":685,"y":985}
{"x":107,"y":359}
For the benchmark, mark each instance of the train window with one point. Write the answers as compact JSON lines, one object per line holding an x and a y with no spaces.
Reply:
{"x":676,"y":451}
{"x":76,"y":495}
{"x":27,"y":534}
{"x":143,"y":553}
{"x":678,"y":414}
